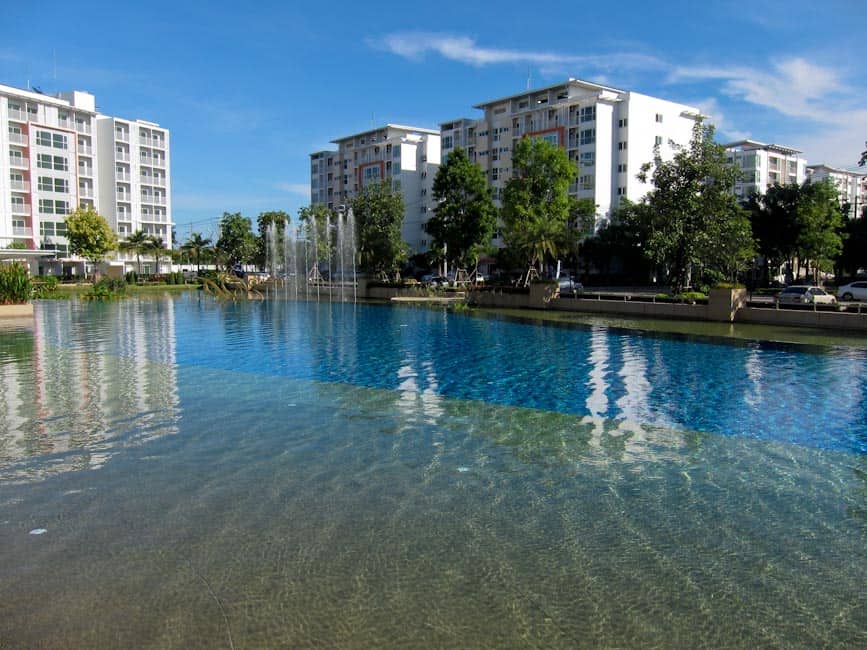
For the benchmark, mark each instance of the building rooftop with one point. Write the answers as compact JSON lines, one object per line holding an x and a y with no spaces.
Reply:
{"x":571,"y":82}
{"x":397,"y":127}
{"x":837,"y":170}
{"x":753,"y":144}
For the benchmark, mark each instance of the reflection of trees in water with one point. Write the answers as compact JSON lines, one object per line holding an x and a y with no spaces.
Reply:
{"x":77,"y":398}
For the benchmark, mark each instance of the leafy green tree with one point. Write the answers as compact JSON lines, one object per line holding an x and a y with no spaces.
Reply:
{"x":819,"y":223}
{"x":863,"y":160}
{"x":536,"y":202}
{"x":580,"y":226}
{"x":379,"y":217}
{"x":90,"y":235}
{"x":280,"y":220}
{"x":617,"y":249}
{"x":691,"y":208}
{"x":237,"y":244}
{"x":465,"y":217}
{"x":772,"y":216}
{"x":854,"y":253}
{"x":314,"y":220}
{"x":196,"y":246}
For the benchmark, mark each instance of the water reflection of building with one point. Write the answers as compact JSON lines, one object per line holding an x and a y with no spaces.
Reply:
{"x":86,"y":392}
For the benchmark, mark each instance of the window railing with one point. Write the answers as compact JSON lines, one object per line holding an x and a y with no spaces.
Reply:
{"x":17,"y":138}
{"x":121,"y":157}
{"x":19,"y":161}
{"x":21,"y":208}
{"x":15,"y":114}
{"x":82,"y":127}
{"x":19,"y":186}
{"x":22,"y":232}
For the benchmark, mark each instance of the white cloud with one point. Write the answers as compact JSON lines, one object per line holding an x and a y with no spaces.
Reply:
{"x":793,"y":87}
{"x":463,"y":49}
{"x":714,"y":112}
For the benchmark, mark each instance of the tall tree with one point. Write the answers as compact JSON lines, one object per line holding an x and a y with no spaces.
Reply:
{"x":536,"y":202}
{"x":465,"y":216}
{"x":90,"y":236}
{"x":237,"y":244}
{"x":819,"y":224}
{"x":264,"y":221}
{"x":379,"y":217}
{"x":863,"y":160}
{"x":137,"y":243}
{"x":196,"y":245}
{"x":691,"y":207}
{"x":156,"y":246}
{"x":314,"y":220}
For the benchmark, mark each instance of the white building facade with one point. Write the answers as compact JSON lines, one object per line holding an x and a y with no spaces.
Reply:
{"x":852,"y":186}
{"x":609,"y":133}
{"x":56,"y":154}
{"x":405,"y":157}
{"x":764,"y":165}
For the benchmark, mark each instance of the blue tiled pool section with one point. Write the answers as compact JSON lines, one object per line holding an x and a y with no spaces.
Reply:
{"x":183,"y":472}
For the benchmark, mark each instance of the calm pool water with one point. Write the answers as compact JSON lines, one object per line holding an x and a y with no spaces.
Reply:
{"x":180,"y":473}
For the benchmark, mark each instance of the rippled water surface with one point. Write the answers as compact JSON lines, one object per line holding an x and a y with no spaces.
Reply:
{"x":180,"y":473}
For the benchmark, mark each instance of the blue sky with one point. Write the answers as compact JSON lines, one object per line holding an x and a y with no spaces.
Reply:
{"x":248,"y":90}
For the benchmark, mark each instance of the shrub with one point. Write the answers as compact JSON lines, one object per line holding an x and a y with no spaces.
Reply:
{"x":131,"y":277}
{"x":45,"y":286}
{"x":175,"y":278}
{"x":15,"y":287}
{"x":107,"y":289}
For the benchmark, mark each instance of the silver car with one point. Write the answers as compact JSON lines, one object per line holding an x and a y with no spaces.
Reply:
{"x":801,"y":294}
{"x":853,"y":291}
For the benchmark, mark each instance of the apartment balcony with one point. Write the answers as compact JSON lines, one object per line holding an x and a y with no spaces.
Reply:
{"x":19,"y":162}
{"x":21,"y":209}
{"x":85,"y":192}
{"x":124,"y":196}
{"x":64,"y":122}
{"x":158,"y":162}
{"x":82,"y":127}
{"x":18,"y":116}
{"x":158,"y":182}
{"x":85,"y":151}
{"x":122,"y":177}
{"x":22,"y":232}
{"x":85,"y":171}
{"x":17,"y":138}
{"x":121,"y":136}
{"x":19,"y":186}
{"x":121,"y":157}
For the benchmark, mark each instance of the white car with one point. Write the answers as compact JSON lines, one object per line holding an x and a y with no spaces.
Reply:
{"x":801,"y":294}
{"x":853,"y":291}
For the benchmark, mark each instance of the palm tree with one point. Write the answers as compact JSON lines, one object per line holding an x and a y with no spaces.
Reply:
{"x":156,"y":246}
{"x":197,"y":245}
{"x":137,"y":243}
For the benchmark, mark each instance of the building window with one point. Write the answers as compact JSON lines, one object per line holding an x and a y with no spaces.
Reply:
{"x":587,"y":158}
{"x":61,"y":185}
{"x":43,"y":161}
{"x":621,"y":191}
{"x":621,"y":168}
{"x":623,"y":123}
{"x":46,"y":206}
{"x":585,"y":182}
{"x":588,"y":114}
{"x":621,"y":146}
{"x":588,"y":136}
{"x":495,"y":173}
{"x":657,"y":141}
{"x":45,"y":184}
{"x":43,"y":138}
{"x":447,"y":142}
{"x":60,"y":164}
{"x":659,"y":118}
{"x":59,"y":141}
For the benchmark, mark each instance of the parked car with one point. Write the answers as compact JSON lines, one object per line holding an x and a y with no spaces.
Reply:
{"x":435,"y":280}
{"x":853,"y":291}
{"x":801,"y":294}
{"x":569,"y":287}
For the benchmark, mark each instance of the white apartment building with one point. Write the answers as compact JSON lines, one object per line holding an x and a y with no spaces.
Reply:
{"x":852,"y":186}
{"x":610,"y":133}
{"x":406,"y":157}
{"x":763,"y":165}
{"x":135,"y":190}
{"x":56,"y":154}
